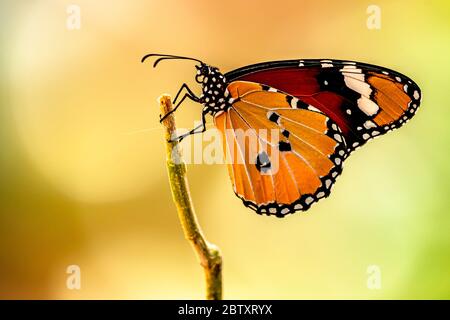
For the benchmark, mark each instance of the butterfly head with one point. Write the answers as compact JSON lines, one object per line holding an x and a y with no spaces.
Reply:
{"x":212,"y":80}
{"x":205,"y":73}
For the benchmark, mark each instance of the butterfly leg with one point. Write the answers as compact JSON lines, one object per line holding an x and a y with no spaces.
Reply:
{"x":195,"y":130}
{"x":189,"y":95}
{"x":183,"y":86}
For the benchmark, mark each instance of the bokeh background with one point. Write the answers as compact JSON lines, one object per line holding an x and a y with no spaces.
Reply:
{"x":82,"y":167}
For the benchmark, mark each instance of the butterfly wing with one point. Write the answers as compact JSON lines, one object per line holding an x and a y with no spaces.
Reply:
{"x":364,"y":100}
{"x":282,"y":156}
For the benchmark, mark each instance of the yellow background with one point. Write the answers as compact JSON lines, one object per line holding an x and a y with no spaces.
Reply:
{"x":82,"y":169}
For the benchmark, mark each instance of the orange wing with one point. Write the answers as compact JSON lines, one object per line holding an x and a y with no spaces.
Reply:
{"x":282,"y":157}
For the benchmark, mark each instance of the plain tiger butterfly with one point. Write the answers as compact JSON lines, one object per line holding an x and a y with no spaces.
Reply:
{"x":322,"y":109}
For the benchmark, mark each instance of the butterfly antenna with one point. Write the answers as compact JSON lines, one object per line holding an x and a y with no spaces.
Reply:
{"x":166,"y":57}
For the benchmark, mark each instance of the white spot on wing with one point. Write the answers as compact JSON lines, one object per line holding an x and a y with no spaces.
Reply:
{"x":310,"y":107}
{"x":367,"y":106}
{"x":369,"y":124}
{"x":356,"y":83}
{"x":337,"y":138}
{"x":294,"y":103}
{"x":327,"y":65}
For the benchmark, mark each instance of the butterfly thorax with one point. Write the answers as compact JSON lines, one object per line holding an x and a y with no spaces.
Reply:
{"x":213,"y":90}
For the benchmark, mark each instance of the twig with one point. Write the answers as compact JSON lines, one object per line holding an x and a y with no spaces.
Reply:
{"x":208,"y":254}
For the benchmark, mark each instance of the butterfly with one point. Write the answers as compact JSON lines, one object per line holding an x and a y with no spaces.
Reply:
{"x":320,"y":109}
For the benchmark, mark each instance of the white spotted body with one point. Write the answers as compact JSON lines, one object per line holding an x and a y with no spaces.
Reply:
{"x":214,"y":85}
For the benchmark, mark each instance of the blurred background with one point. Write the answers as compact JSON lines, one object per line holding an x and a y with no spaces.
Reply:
{"x":82,"y":163}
